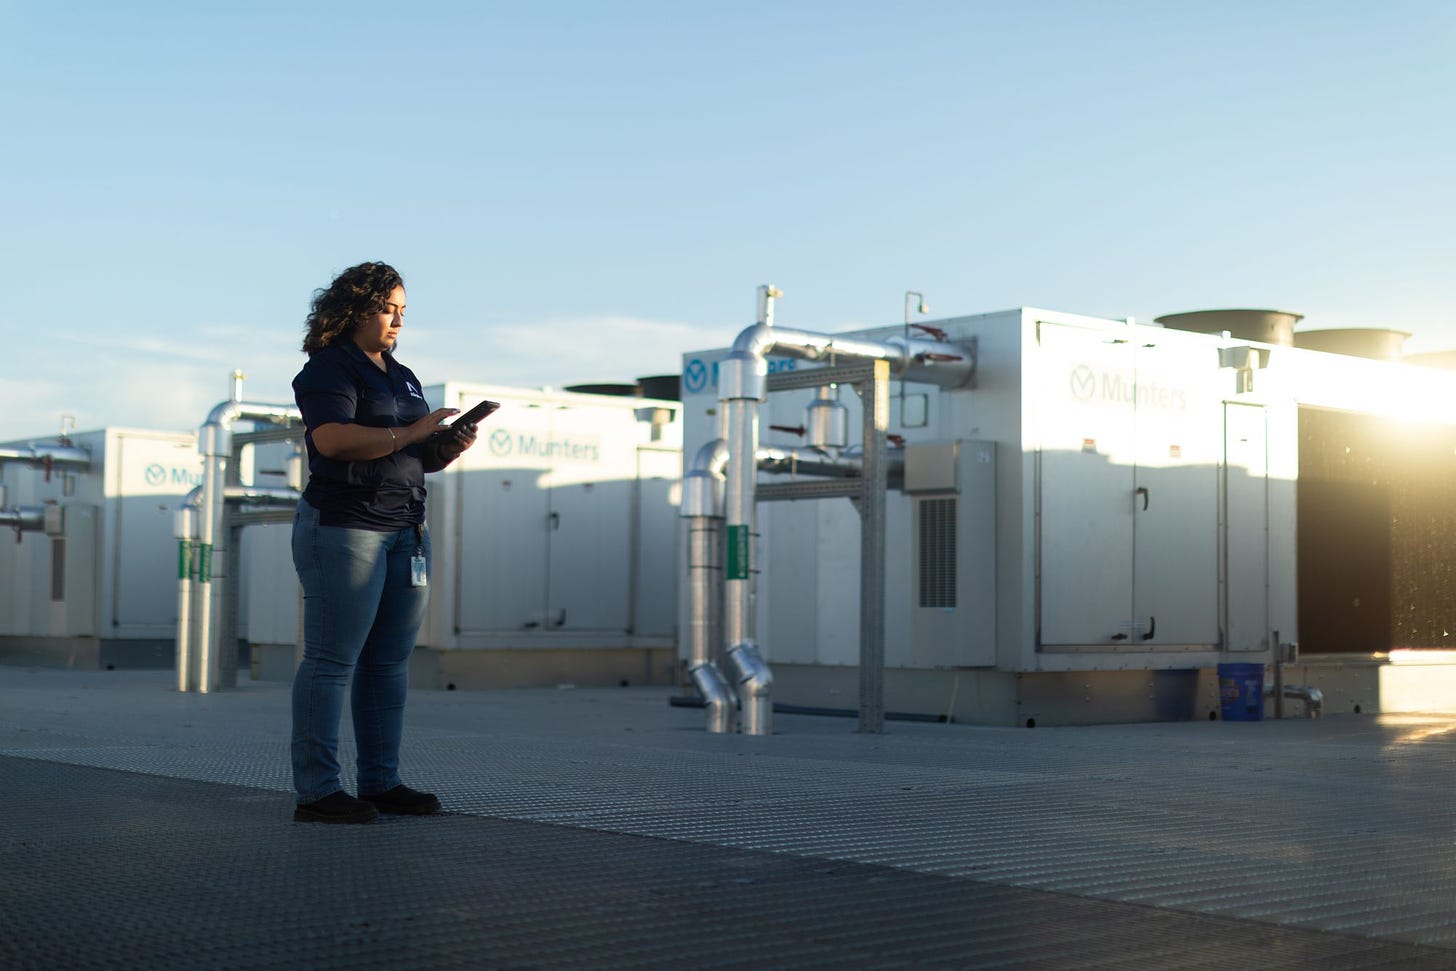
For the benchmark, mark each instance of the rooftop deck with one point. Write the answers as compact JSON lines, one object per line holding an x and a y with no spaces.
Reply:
{"x":141,"y":827}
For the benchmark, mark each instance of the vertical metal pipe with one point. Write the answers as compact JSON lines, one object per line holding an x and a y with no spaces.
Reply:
{"x":876,"y":399}
{"x":230,"y":596}
{"x":741,"y":380}
{"x":185,"y":528}
{"x":184,"y":614}
{"x":702,"y":517}
{"x":214,"y":445}
{"x":742,"y":384}
{"x":705,"y":604}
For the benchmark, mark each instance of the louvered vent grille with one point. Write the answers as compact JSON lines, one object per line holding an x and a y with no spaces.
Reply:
{"x":937,"y":552}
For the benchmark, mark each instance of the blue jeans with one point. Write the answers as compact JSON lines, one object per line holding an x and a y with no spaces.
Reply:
{"x":360,"y":617}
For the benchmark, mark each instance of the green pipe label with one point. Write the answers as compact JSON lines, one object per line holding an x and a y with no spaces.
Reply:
{"x":204,"y":562}
{"x":184,"y":558}
{"x":738,"y":541}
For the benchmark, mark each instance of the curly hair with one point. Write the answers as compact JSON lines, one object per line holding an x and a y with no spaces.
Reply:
{"x":355,"y":293}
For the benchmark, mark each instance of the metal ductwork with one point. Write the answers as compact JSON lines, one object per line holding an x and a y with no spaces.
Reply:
{"x":911,"y":359}
{"x":848,"y":463}
{"x":256,"y":496}
{"x":702,"y":512}
{"x":190,"y":572}
{"x":827,"y":420}
{"x":199,"y":524}
{"x":24,"y":519}
{"x":1313,"y":698}
{"x":61,"y":454}
{"x":46,"y":518}
{"x":742,"y":387}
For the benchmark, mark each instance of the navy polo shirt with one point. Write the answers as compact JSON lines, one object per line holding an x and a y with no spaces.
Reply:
{"x":341,"y":384}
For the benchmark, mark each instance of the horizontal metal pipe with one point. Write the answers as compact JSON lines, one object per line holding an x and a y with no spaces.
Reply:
{"x":261,"y":495}
{"x":1313,"y":698}
{"x":57,"y":454}
{"x":29,"y":519}
{"x":913,"y":359}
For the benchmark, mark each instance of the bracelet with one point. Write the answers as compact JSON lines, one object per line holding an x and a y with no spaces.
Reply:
{"x":393,"y":441}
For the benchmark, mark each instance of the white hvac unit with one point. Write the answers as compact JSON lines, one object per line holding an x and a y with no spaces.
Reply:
{"x":94,"y":584}
{"x":554,"y":547}
{"x":1101,"y":514}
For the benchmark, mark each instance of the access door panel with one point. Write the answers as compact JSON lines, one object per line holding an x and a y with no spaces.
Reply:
{"x":1246,"y":519}
{"x":503,"y":515}
{"x":1085,"y":526}
{"x":1175,"y":556}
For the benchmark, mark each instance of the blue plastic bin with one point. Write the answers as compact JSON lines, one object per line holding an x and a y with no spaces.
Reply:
{"x":1241,"y":692}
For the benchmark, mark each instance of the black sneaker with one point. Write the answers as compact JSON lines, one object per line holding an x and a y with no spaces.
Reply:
{"x":336,"y":807}
{"x":404,"y":801}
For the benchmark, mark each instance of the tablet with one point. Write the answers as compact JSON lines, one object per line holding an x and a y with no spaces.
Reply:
{"x":474,"y":415}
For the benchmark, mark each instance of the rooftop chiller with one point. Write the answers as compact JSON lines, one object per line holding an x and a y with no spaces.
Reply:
{"x":1079,"y":531}
{"x":555,"y":548}
{"x":90,"y":577}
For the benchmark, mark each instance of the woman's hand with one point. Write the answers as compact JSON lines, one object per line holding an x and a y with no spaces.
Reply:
{"x":447,"y":445}
{"x":456,"y":440}
{"x":430,"y":424}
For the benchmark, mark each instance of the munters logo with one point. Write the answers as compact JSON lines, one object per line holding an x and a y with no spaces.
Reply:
{"x":528,"y":445}
{"x":1087,"y":384}
{"x":1084,"y":382}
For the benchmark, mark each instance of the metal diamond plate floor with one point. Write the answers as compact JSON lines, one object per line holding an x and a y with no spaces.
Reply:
{"x":606,"y":829}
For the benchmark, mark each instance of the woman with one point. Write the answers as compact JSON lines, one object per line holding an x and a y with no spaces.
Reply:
{"x":360,"y":544}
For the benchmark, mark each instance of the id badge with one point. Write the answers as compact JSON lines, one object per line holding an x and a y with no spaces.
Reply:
{"x":418,"y":577}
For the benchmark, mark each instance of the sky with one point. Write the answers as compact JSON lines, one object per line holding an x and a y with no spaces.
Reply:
{"x":583,"y":191}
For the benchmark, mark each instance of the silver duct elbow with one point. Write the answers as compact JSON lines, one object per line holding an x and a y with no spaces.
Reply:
{"x":702,"y":485}
{"x":719,"y":697}
{"x":711,"y":459}
{"x":215,"y":438}
{"x":755,"y":341}
{"x":1313,"y":698}
{"x":755,"y":684}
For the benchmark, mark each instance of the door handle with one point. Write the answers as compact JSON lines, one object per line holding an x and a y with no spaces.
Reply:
{"x":1143,"y":491}
{"x":1119,"y":637}
{"x":1152,"y":628}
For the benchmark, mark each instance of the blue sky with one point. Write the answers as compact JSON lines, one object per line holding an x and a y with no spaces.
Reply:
{"x":582,"y":191}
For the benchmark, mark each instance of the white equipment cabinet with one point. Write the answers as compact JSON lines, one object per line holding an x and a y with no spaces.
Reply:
{"x":1081,"y":536}
{"x":1129,"y":447}
{"x":97,"y":586}
{"x":554,"y":547}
